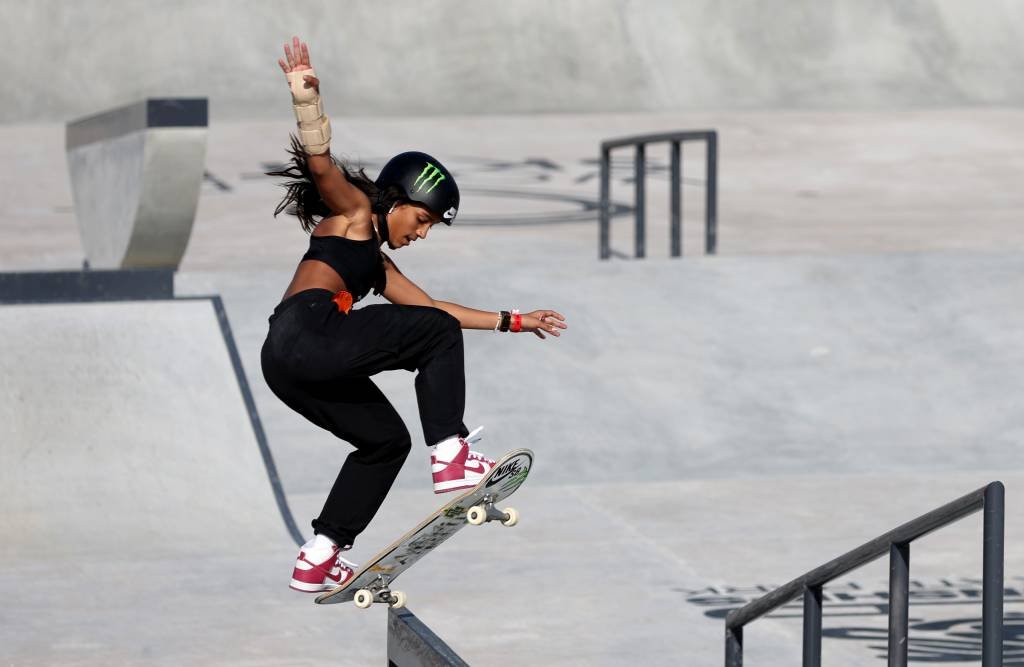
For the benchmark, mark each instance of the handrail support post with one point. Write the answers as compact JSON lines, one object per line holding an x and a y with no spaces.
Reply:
{"x":992,"y":576}
{"x":734,"y":646}
{"x":676,"y":179}
{"x":812,"y":626}
{"x":899,"y":603}
{"x":711,"y":195}
{"x":639,"y":174}
{"x":605,"y":205}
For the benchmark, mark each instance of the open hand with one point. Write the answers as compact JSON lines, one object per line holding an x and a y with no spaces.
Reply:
{"x":544,"y":321}
{"x":297,"y":60}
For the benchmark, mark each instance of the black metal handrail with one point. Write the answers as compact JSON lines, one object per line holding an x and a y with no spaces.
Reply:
{"x":897,"y":544}
{"x":676,"y":203}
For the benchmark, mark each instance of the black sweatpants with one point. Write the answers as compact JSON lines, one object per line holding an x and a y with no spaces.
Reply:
{"x":319,"y":360}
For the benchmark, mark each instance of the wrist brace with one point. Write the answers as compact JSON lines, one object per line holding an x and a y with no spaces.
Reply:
{"x":314,"y":125}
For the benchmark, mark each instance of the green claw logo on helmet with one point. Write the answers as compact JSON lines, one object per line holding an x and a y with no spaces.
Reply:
{"x":425,"y":180}
{"x":430,"y":175}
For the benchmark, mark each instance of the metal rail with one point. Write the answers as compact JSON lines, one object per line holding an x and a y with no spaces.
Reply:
{"x":896,"y":543}
{"x":676,"y":139}
{"x":413,"y":644}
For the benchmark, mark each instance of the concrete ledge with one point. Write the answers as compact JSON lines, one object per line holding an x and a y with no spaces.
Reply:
{"x":135,"y":176}
{"x":413,"y":644}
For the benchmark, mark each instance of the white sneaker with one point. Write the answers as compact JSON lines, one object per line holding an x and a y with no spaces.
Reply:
{"x":320,"y":568}
{"x":456,"y":467}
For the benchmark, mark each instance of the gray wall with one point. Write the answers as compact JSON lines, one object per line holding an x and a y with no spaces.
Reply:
{"x":405,"y":57}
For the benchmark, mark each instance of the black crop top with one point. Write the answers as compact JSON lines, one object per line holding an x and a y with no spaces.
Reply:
{"x":359,"y":263}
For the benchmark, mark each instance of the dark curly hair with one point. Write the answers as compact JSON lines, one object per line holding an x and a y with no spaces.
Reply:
{"x":303,"y":200}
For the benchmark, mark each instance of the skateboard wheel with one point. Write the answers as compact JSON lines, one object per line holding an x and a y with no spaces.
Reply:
{"x":398,"y":600}
{"x":363,"y":598}
{"x":511,"y":517}
{"x":476,"y":515}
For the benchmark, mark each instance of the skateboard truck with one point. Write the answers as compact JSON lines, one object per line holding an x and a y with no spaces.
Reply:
{"x":378,"y":591}
{"x":486,"y":511}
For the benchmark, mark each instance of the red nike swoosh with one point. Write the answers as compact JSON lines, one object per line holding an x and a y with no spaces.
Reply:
{"x":476,"y":467}
{"x":321,"y":568}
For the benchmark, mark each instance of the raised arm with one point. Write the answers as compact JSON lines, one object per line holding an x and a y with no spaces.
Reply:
{"x":315,"y":132}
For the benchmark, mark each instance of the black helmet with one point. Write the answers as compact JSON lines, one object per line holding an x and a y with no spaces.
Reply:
{"x":425,"y":181}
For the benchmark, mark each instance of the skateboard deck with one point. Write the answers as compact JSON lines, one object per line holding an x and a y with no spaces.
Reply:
{"x":372,"y":582}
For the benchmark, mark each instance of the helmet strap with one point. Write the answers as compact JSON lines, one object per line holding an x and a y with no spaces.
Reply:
{"x":382,"y":224}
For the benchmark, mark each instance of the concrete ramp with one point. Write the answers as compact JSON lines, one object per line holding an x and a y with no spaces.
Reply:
{"x":777,"y":412}
{"x":134,"y":498}
{"x":124,"y":429}
{"x":721,"y":366}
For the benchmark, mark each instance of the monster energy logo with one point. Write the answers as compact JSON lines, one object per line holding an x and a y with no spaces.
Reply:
{"x":431,"y":176}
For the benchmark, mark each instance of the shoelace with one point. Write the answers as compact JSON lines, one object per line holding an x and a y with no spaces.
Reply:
{"x":347,"y":570}
{"x":480,"y":457}
{"x":325,"y":566}
{"x":475,"y":435}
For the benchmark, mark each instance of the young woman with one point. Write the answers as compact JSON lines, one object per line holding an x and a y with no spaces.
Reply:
{"x":320,"y":353}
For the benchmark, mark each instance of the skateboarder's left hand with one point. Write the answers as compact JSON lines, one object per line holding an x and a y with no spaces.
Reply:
{"x":298,"y":61}
{"x":544,"y":321}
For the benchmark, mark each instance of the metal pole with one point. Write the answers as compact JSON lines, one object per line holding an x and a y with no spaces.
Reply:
{"x":812,"y":626}
{"x":711,"y":194}
{"x":605,"y":217}
{"x":734,"y":647}
{"x":639,"y":166}
{"x":899,"y":603}
{"x":676,"y":239}
{"x":992,"y":577}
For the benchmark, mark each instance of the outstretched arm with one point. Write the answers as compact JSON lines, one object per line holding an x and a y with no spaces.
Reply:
{"x":401,"y":290}
{"x":315,"y":132}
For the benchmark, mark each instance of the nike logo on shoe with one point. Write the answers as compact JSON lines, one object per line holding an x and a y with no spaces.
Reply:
{"x":321,"y":568}
{"x":476,"y":467}
{"x":314,"y":577}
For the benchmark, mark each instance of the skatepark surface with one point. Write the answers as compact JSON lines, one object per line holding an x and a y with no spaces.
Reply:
{"x":706,"y":428}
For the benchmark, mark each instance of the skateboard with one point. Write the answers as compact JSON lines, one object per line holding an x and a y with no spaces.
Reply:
{"x":476,"y":506}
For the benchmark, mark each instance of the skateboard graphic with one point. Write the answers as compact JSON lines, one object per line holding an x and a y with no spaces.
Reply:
{"x":372,"y":582}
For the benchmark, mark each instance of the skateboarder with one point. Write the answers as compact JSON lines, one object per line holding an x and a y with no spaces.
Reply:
{"x":320,"y":352}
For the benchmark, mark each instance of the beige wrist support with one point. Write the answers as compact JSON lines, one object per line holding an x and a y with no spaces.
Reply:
{"x":314,"y":125}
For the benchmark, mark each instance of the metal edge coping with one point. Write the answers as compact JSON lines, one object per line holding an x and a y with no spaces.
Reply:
{"x":37,"y":287}
{"x":403,"y":624}
{"x":148,"y":113}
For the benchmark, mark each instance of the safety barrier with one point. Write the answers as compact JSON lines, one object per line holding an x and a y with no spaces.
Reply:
{"x":676,"y":139}
{"x":897,"y":544}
